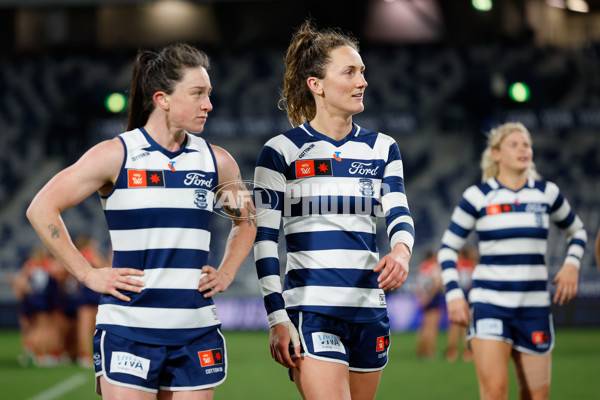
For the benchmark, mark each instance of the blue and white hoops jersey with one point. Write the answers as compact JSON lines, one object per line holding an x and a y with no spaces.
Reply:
{"x":328,"y":194}
{"x":158,"y":216}
{"x":511,"y":278}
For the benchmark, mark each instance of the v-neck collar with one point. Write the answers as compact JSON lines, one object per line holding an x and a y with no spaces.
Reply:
{"x":158,"y":147}
{"x":312,"y":131}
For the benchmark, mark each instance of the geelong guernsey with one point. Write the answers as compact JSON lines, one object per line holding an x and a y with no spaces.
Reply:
{"x":328,"y":194}
{"x":158,"y":216}
{"x":511,"y":278}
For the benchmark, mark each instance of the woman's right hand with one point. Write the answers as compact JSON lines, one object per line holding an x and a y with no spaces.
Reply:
{"x":112,"y":280}
{"x":458,"y":311}
{"x":280,"y":337}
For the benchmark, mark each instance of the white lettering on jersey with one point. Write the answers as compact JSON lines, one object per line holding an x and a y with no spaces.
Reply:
{"x":196,"y":179}
{"x":359,"y":168}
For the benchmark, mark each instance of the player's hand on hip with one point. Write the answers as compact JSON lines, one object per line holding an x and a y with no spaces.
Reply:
{"x":113,"y":280}
{"x":214,"y":281}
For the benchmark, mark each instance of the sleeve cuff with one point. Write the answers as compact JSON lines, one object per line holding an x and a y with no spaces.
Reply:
{"x":454,"y":294}
{"x":277,"y":317}
{"x":573,"y":260}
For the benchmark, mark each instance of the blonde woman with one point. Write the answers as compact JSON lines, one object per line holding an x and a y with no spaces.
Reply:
{"x":510,"y":313}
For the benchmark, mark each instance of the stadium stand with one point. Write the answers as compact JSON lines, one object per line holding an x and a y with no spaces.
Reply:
{"x":436,"y":101}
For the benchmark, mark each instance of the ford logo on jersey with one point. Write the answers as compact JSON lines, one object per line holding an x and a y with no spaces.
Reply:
{"x":362,"y":168}
{"x":197,"y":179}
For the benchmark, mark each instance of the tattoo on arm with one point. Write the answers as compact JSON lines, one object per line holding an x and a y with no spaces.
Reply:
{"x":251,"y":215}
{"x":235,"y":212}
{"x":54,"y":231}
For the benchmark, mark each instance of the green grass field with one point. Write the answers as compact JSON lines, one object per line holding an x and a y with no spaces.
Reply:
{"x":253,"y":375}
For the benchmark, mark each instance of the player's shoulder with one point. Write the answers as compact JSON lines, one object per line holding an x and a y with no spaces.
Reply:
{"x":108,"y":150}
{"x":546,"y":185}
{"x":224,"y":159}
{"x":548,"y":188}
{"x":481,"y":188}
{"x":294,"y":137}
{"x":368,"y":135}
{"x":134,"y":137}
{"x":197,"y":142}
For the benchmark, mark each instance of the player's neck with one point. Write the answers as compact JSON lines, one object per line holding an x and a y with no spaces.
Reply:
{"x":512,"y":181}
{"x":336,"y":128}
{"x":169,"y":138}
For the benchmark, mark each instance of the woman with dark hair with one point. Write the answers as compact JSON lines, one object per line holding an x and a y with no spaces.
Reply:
{"x":157,"y":327}
{"x":329,"y":179}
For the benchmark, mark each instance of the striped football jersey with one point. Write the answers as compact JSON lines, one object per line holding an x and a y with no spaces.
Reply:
{"x":328,"y":195}
{"x":158,"y":216}
{"x":511,"y":278}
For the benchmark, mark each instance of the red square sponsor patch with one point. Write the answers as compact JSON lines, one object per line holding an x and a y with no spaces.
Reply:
{"x":143,"y":178}
{"x":539,"y":337}
{"x":210,"y":357}
{"x":136,"y":178}
{"x":383,"y":342}
{"x":206,"y":358}
{"x":305,"y":168}
{"x":493,"y":209}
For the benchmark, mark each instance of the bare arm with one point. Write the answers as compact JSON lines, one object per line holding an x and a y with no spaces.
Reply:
{"x":238,"y":204}
{"x":96,"y":170}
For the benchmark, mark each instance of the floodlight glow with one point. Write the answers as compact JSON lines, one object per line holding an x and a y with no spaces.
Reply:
{"x":482,"y":5}
{"x":115,"y":102}
{"x":519,"y":92}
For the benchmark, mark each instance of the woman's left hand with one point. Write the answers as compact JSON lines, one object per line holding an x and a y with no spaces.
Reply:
{"x":566,"y":279}
{"x":214,"y":281}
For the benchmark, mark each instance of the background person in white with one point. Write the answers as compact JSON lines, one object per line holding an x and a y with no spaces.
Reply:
{"x":327,"y":178}
{"x":156,"y":311}
{"x":510,"y":303}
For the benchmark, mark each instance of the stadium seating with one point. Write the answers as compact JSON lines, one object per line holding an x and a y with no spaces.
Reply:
{"x":436,"y":101}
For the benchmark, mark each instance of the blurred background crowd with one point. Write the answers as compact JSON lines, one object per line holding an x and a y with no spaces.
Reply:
{"x":440,"y":74}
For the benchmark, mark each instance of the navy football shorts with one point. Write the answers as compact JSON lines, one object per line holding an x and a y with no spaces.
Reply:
{"x":201,"y":364}
{"x":527,"y":335}
{"x":363,"y":347}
